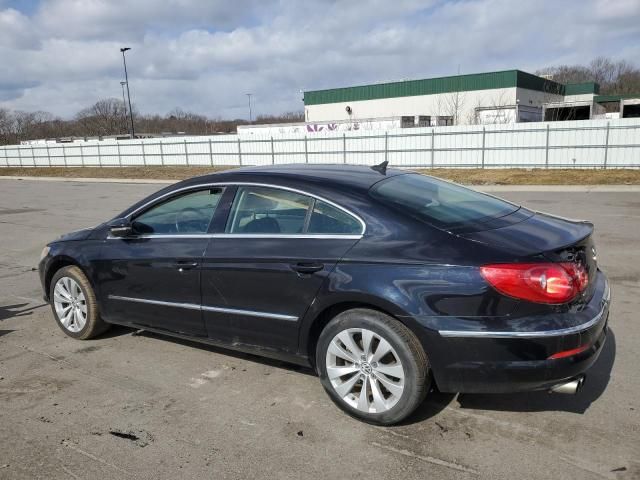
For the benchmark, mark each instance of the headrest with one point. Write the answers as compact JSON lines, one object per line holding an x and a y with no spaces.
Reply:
{"x":257,"y":203}
{"x":262,"y":225}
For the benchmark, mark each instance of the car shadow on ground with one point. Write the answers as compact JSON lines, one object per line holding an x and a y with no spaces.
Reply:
{"x":17,"y":310}
{"x":435,"y":403}
{"x":117,"y":330}
{"x":597,"y":379}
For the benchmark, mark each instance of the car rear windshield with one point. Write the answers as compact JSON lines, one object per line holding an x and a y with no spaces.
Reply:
{"x":442,"y":204}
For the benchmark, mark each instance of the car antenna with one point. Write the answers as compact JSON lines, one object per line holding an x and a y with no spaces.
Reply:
{"x":381,"y":167}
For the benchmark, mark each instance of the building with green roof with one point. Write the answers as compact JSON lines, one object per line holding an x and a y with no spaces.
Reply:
{"x":482,"y":98}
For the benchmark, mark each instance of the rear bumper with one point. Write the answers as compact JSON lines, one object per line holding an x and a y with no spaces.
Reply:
{"x":486,"y":361}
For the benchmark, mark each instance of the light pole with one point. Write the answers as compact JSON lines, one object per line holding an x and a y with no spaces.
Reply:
{"x":126,"y":78}
{"x":250,"y":115}
{"x":124,"y":103}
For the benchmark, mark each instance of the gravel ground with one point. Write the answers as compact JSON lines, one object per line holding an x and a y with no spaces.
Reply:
{"x":130,"y":405}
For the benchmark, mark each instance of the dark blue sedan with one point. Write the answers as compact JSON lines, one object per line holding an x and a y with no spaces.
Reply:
{"x":387,"y":282}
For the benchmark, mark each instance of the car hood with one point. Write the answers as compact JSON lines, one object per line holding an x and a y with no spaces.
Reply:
{"x":77,"y":235}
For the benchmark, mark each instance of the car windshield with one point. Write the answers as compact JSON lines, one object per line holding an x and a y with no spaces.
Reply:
{"x":442,"y":204}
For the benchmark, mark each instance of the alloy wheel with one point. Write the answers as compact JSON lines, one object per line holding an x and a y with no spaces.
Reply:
{"x":70,"y":304}
{"x":365,"y":370}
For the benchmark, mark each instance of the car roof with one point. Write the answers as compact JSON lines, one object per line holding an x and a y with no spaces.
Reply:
{"x":343,"y":183}
{"x":330,"y":175}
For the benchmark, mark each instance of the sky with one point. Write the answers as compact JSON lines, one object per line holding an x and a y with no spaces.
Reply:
{"x":204,"y":56}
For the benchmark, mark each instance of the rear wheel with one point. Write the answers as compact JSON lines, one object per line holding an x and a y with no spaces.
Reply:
{"x":74,"y":304}
{"x":372,"y":366}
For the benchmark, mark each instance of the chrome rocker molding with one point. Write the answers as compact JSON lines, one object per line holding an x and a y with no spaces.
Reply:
{"x":193,"y":306}
{"x":536,"y":334}
{"x":508,"y":334}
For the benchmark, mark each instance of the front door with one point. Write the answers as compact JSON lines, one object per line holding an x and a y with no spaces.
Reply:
{"x":261,"y":275}
{"x":153,"y":277}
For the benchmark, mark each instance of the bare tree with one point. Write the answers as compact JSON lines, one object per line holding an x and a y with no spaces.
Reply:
{"x":627,"y":79}
{"x":473,"y":117}
{"x":501,"y":105}
{"x":5,"y":126}
{"x":614,"y":77}
{"x":550,"y":95}
{"x":566,"y":73}
{"x":105,"y":117}
{"x":17,"y":126}
{"x":451,"y":105}
{"x":288,"y":117}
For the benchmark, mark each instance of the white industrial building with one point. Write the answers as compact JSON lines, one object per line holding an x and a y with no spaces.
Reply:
{"x":497,"y":97}
{"x":510,"y":96}
{"x":485,"y":98}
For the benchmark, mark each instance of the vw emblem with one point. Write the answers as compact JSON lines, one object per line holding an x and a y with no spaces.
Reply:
{"x":366,"y":368}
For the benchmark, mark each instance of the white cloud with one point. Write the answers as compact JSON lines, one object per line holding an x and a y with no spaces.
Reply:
{"x":129,"y":20}
{"x":204,"y":56}
{"x":16,"y":30}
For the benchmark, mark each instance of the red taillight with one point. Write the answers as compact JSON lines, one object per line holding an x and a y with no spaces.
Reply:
{"x":537,"y":282}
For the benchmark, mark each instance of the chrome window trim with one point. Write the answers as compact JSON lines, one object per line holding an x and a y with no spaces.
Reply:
{"x":316,"y":236}
{"x":264,"y":185}
{"x":161,"y":235}
{"x":309,"y":236}
{"x":193,"y":306}
{"x":539,"y":334}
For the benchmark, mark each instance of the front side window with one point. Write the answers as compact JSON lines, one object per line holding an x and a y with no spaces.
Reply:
{"x":442,"y":204}
{"x":188,"y":213}
{"x":265,"y":210}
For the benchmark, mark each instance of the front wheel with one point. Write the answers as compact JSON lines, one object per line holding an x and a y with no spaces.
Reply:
{"x":74,"y":304}
{"x":372,"y":366}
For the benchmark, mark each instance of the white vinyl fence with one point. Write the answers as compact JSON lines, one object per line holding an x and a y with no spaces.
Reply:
{"x":579,"y":144}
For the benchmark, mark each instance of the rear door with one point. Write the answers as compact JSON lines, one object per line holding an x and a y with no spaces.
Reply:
{"x":260,"y":275}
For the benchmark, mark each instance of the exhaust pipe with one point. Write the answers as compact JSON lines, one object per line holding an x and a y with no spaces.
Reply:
{"x":571,"y":387}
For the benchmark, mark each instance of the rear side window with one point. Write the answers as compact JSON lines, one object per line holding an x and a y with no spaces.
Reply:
{"x":265,"y":210}
{"x":440,"y":203}
{"x":268,"y":210}
{"x":328,"y":219}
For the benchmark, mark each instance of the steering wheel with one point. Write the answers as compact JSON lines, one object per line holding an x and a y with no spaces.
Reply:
{"x":190,"y":220}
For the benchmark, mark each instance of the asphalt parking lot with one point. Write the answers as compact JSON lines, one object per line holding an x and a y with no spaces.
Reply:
{"x":132,"y":405}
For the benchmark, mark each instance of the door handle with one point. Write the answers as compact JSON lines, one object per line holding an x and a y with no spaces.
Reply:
{"x":307,"y":267}
{"x":182,"y":266}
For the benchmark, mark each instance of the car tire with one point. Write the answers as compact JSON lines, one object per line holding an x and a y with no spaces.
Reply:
{"x":395,"y":384}
{"x":74,"y":305}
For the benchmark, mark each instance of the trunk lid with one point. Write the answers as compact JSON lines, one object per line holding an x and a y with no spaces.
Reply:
{"x":543,"y":235}
{"x":534,"y":234}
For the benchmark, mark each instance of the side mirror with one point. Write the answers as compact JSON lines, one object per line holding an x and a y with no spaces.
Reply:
{"x":120,"y":227}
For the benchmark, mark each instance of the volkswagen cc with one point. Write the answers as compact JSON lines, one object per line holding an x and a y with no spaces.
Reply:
{"x":388,"y":283}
